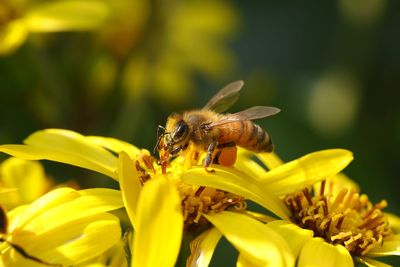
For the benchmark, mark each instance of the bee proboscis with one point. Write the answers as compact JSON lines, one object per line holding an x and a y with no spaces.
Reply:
{"x":215,"y":133}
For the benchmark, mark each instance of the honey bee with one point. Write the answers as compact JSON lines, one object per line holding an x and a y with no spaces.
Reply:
{"x":215,"y":133}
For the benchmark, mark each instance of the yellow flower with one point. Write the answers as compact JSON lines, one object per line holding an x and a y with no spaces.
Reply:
{"x":27,"y":177}
{"x":200,"y":205}
{"x":63,"y":227}
{"x":345,"y":224}
{"x":251,"y":181}
{"x":331,"y":227}
{"x":19,"y":18}
{"x":226,"y":222}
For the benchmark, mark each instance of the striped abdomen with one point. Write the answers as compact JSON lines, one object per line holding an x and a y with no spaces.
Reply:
{"x":247,"y":135}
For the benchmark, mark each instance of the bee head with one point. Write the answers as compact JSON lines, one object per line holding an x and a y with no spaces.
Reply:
{"x":175,"y":136}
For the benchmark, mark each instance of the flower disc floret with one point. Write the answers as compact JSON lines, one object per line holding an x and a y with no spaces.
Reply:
{"x":348,"y":218}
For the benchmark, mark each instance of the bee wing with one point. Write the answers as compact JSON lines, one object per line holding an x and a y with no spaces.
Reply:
{"x":252,"y":113}
{"x":225,"y":97}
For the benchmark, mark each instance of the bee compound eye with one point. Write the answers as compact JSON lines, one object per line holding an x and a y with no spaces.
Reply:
{"x":181,"y":130}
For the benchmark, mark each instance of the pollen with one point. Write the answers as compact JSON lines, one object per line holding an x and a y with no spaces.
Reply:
{"x":203,"y":200}
{"x":349,"y":219}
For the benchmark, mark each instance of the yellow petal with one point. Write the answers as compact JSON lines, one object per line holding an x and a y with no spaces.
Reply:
{"x":63,"y":206}
{"x":130,"y":185}
{"x":340,"y":182}
{"x":372,"y":263}
{"x":245,"y":262}
{"x":41,"y":205}
{"x":66,"y":15}
{"x":203,"y":247}
{"x":71,"y":244}
{"x":295,"y":235}
{"x":258,"y":243}
{"x":7,"y":190}
{"x":271,"y":160}
{"x":306,"y":171}
{"x":234,"y":181}
{"x":90,"y":202}
{"x":27,"y":176}
{"x":67,"y":147}
{"x":12,"y":36}
{"x":115,"y":145}
{"x":317,"y":252}
{"x":116,"y":256}
{"x":259,"y":216}
{"x":394,"y":222}
{"x":159,"y":228}
{"x":246,"y":164}
{"x":389,"y":247}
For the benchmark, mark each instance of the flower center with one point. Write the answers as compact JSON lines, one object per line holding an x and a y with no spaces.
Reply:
{"x":348,"y":218}
{"x":195,"y":200}
{"x":205,"y":200}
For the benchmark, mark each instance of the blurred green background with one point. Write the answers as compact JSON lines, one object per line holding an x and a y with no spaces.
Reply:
{"x":333,"y":67}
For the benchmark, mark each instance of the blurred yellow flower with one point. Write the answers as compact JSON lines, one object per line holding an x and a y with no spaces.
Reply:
{"x":160,"y":47}
{"x":19,"y":18}
{"x":27,"y":177}
{"x":63,"y":227}
{"x":190,"y":45}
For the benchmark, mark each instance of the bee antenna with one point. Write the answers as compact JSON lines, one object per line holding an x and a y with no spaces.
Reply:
{"x":160,"y":134}
{"x":160,"y":131}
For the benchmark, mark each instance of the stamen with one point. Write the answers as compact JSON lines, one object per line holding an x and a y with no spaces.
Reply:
{"x":195,"y":200}
{"x":322,"y":188}
{"x":199,"y":190}
{"x":205,"y":200}
{"x":348,"y":219}
{"x":325,"y":207}
{"x":339,"y":199}
{"x":308,"y":197}
{"x":339,"y":224}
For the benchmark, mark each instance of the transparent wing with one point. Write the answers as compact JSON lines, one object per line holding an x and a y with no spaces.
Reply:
{"x":225,"y":97}
{"x":252,"y":113}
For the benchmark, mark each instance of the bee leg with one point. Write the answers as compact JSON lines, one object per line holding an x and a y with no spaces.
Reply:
{"x":208,"y":158}
{"x":216,"y":157}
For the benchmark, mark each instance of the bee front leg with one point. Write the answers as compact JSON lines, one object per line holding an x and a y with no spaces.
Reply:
{"x":208,"y":158}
